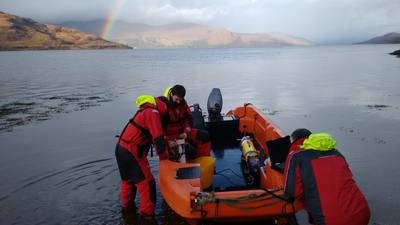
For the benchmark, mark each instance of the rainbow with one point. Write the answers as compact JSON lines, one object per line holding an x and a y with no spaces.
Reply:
{"x":112,"y":16}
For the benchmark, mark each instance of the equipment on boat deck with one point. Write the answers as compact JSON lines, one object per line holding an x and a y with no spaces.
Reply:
{"x":182,"y":154}
{"x":214,"y":104}
{"x":250,"y":161}
{"x":197,"y":117}
{"x":221,"y":127}
{"x":278,"y":150}
{"x":177,"y":153}
{"x":207,"y":164}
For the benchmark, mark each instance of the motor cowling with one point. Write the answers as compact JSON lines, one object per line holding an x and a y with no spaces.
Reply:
{"x":214,"y":104}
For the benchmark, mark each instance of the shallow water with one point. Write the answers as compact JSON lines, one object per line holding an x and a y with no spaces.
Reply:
{"x":60,"y":111}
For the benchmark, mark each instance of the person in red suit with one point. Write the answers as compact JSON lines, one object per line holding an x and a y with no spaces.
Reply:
{"x":177,"y":122}
{"x":298,"y":136}
{"x":134,"y":143}
{"x":318,"y":174}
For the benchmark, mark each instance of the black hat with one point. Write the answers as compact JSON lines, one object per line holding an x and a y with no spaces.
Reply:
{"x":300,"y":133}
{"x":178,"y":90}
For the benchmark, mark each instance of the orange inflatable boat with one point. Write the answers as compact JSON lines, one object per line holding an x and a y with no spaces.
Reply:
{"x":220,"y":188}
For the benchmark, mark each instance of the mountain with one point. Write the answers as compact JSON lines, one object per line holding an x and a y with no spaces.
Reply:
{"x":185,"y":35}
{"x":390,"y":38}
{"x":17,"y":33}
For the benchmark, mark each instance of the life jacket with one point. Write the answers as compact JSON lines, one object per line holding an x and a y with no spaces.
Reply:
{"x":176,"y":118}
{"x":135,"y":135}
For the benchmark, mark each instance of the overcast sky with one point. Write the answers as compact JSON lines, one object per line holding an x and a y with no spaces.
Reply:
{"x":321,"y":21}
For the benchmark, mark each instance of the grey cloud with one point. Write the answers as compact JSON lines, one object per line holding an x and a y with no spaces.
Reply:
{"x":56,"y":10}
{"x":170,"y":12}
{"x":318,"y":20}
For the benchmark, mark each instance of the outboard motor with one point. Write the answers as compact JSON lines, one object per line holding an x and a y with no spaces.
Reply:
{"x":214,"y":104}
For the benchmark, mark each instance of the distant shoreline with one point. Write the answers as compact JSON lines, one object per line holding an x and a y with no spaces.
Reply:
{"x":61,"y":49}
{"x":188,"y":48}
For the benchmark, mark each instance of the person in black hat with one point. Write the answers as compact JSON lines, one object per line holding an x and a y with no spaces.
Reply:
{"x":177,"y":123}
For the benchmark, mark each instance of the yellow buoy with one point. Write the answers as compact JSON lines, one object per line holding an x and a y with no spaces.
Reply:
{"x":206,"y":170}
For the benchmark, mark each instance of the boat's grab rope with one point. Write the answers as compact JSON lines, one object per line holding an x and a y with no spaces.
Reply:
{"x":203,"y":198}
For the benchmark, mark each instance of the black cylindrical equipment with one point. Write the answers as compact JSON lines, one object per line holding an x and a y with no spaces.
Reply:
{"x":197,"y":117}
{"x":214,"y":104}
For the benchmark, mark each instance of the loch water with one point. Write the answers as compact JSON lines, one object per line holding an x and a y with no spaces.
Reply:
{"x":60,"y":112}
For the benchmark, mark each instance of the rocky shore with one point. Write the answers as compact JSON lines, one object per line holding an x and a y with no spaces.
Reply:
{"x":17,"y":33}
{"x":396,"y":53}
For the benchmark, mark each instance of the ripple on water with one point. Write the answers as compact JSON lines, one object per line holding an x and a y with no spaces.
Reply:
{"x":71,"y":175}
{"x":73,"y":188}
{"x":33,"y":109}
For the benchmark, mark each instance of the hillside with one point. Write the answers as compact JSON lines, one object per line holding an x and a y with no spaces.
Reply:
{"x":17,"y":33}
{"x":390,"y":38}
{"x":185,"y":35}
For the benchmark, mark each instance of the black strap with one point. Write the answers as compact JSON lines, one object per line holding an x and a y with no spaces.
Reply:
{"x":123,"y":130}
{"x":144,"y":132}
{"x":143,"y":149}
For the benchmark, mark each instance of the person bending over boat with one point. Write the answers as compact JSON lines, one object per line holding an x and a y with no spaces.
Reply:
{"x":298,"y":136}
{"x":131,"y":153}
{"x":318,"y":174}
{"x":177,"y":123}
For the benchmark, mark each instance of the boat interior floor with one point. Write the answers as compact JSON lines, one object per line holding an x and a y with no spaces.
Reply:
{"x":228,"y":173}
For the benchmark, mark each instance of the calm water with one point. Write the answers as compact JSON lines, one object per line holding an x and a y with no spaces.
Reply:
{"x":60,"y":111}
